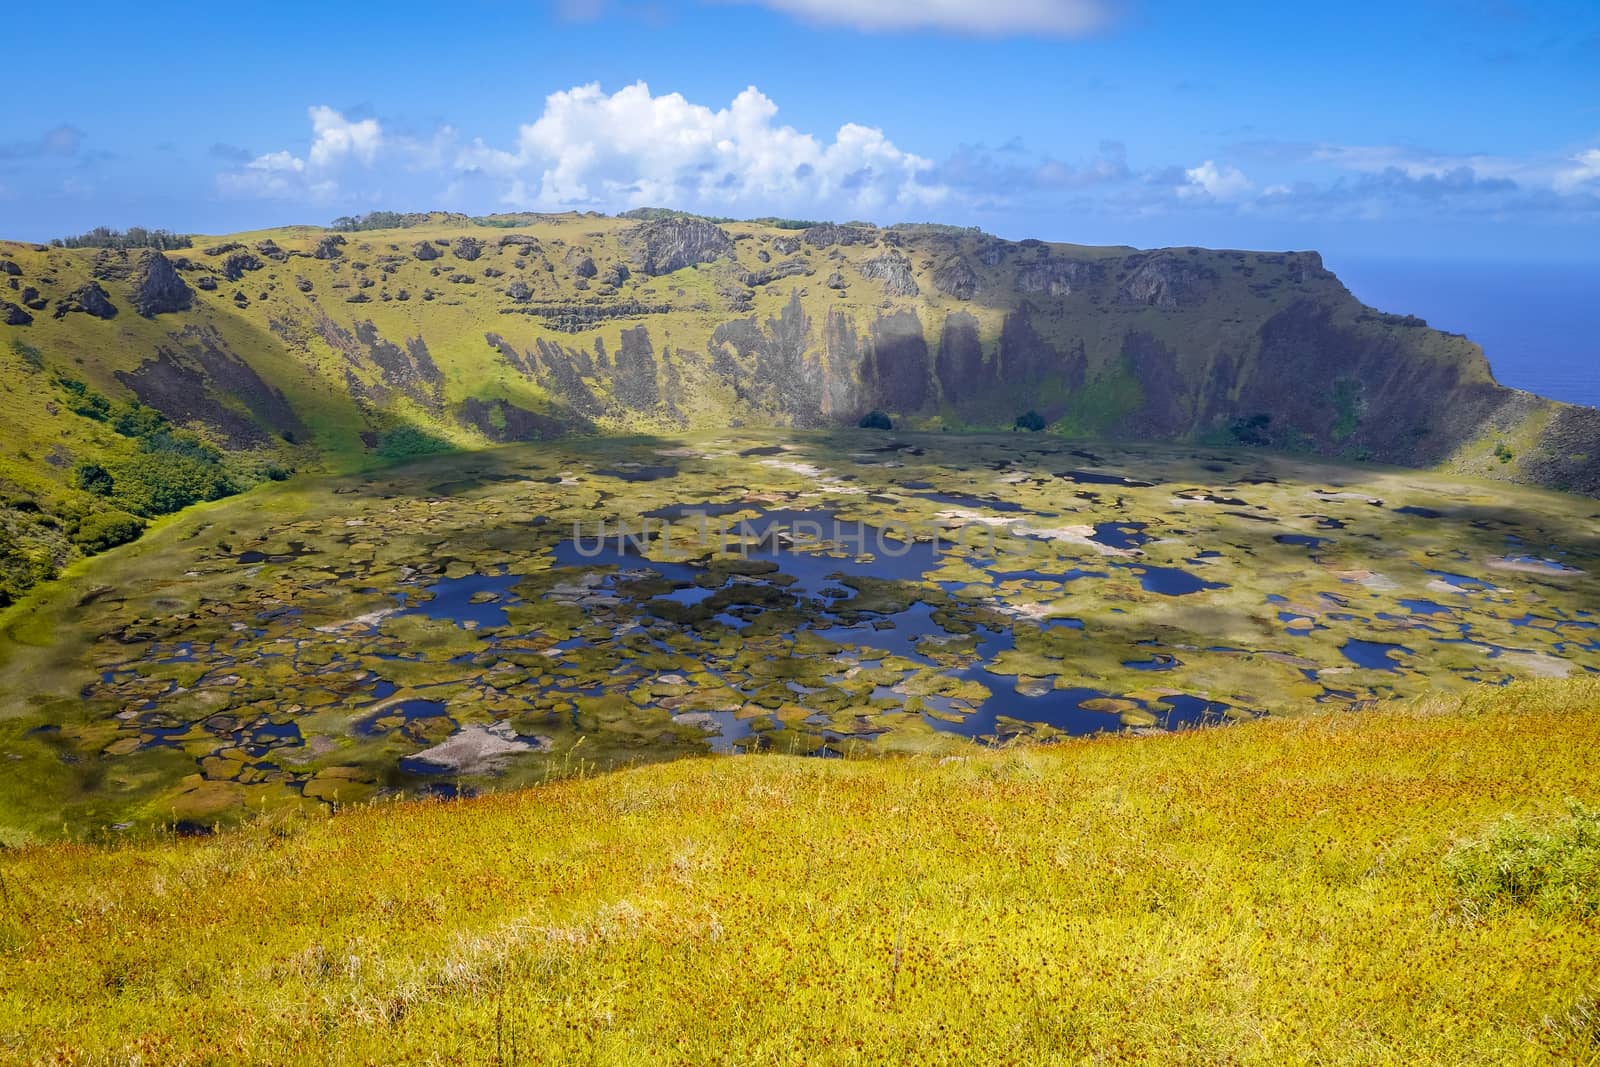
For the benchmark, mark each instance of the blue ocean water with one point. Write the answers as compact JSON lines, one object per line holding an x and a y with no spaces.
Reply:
{"x":1539,"y":324}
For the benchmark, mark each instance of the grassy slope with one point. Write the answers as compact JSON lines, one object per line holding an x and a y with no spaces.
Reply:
{"x":276,"y":334}
{"x":1269,"y":893}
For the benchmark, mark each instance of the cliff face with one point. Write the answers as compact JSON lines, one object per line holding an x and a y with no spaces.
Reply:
{"x":326,"y":350}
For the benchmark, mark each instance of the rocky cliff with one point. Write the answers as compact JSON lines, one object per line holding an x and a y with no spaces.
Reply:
{"x":302,"y":348}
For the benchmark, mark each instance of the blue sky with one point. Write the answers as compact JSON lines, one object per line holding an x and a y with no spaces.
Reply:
{"x":1432,"y":130}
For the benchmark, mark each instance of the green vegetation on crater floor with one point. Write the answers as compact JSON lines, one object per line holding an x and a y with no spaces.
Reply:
{"x":457,"y":623}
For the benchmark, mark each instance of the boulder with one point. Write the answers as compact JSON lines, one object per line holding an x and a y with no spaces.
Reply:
{"x":426,"y":250}
{"x":89,"y":299}
{"x":467,"y":248}
{"x":9,"y":266}
{"x":160,"y":290}
{"x":582,"y":266}
{"x":235,"y":265}
{"x":12,"y":315}
{"x":330,"y":247}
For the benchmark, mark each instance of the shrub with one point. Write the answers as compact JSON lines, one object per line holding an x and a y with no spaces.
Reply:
{"x":22,"y":566}
{"x":107,"y":529}
{"x":136,"y":420}
{"x":1252,"y":429}
{"x":181,"y":443}
{"x":93,"y":478}
{"x":1503,"y":452}
{"x":161,"y":482}
{"x":1552,"y":867}
{"x":407,"y":441}
{"x":83,"y":400}
{"x":1030,"y":420}
{"x":875,"y":420}
{"x":32,"y":358}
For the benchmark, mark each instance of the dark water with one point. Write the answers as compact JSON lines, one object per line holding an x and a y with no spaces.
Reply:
{"x":1539,"y":324}
{"x":823,"y":580}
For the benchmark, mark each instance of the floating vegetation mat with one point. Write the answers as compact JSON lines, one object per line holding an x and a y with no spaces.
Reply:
{"x":490,"y":619}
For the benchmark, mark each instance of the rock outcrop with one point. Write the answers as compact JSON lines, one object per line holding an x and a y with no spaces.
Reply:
{"x":662,"y":246}
{"x":957,"y":279}
{"x":160,"y":290}
{"x":894,"y":271}
{"x":830,"y":233}
{"x":89,"y":299}
{"x":235,"y":266}
{"x":1166,"y":279}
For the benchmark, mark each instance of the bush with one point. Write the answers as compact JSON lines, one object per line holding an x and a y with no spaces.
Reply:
{"x":32,"y":358}
{"x":161,"y":482}
{"x":83,"y":400}
{"x":875,"y":420}
{"x":1030,"y":420}
{"x":1552,"y":867}
{"x":1252,"y":429}
{"x":136,"y":420}
{"x":93,"y":478}
{"x":107,"y":529}
{"x":1503,"y":452}
{"x":408,"y":441}
{"x":180,"y":443}
{"x":22,"y":566}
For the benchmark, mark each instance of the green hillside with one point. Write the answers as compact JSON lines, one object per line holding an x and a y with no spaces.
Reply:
{"x":1416,"y":885}
{"x":310,"y":349}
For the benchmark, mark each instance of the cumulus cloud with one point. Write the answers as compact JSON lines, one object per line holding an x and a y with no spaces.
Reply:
{"x":336,"y":138}
{"x":1063,"y":18}
{"x":611,"y":151}
{"x":631,"y":148}
{"x":589,"y":149}
{"x":336,"y":143}
{"x":1585,"y":171}
{"x":1224,"y":184}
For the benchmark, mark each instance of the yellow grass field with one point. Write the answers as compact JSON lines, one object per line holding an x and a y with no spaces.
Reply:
{"x":1334,"y":889}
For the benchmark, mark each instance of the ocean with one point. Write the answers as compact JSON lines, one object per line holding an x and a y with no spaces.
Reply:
{"x":1539,"y":324}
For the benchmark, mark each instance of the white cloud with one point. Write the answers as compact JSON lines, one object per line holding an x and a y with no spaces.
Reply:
{"x":1223,"y":183}
{"x":1416,"y":163}
{"x":336,"y":143}
{"x":1586,"y":171}
{"x":336,"y":138}
{"x":1067,"y":18}
{"x":632,"y":148}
